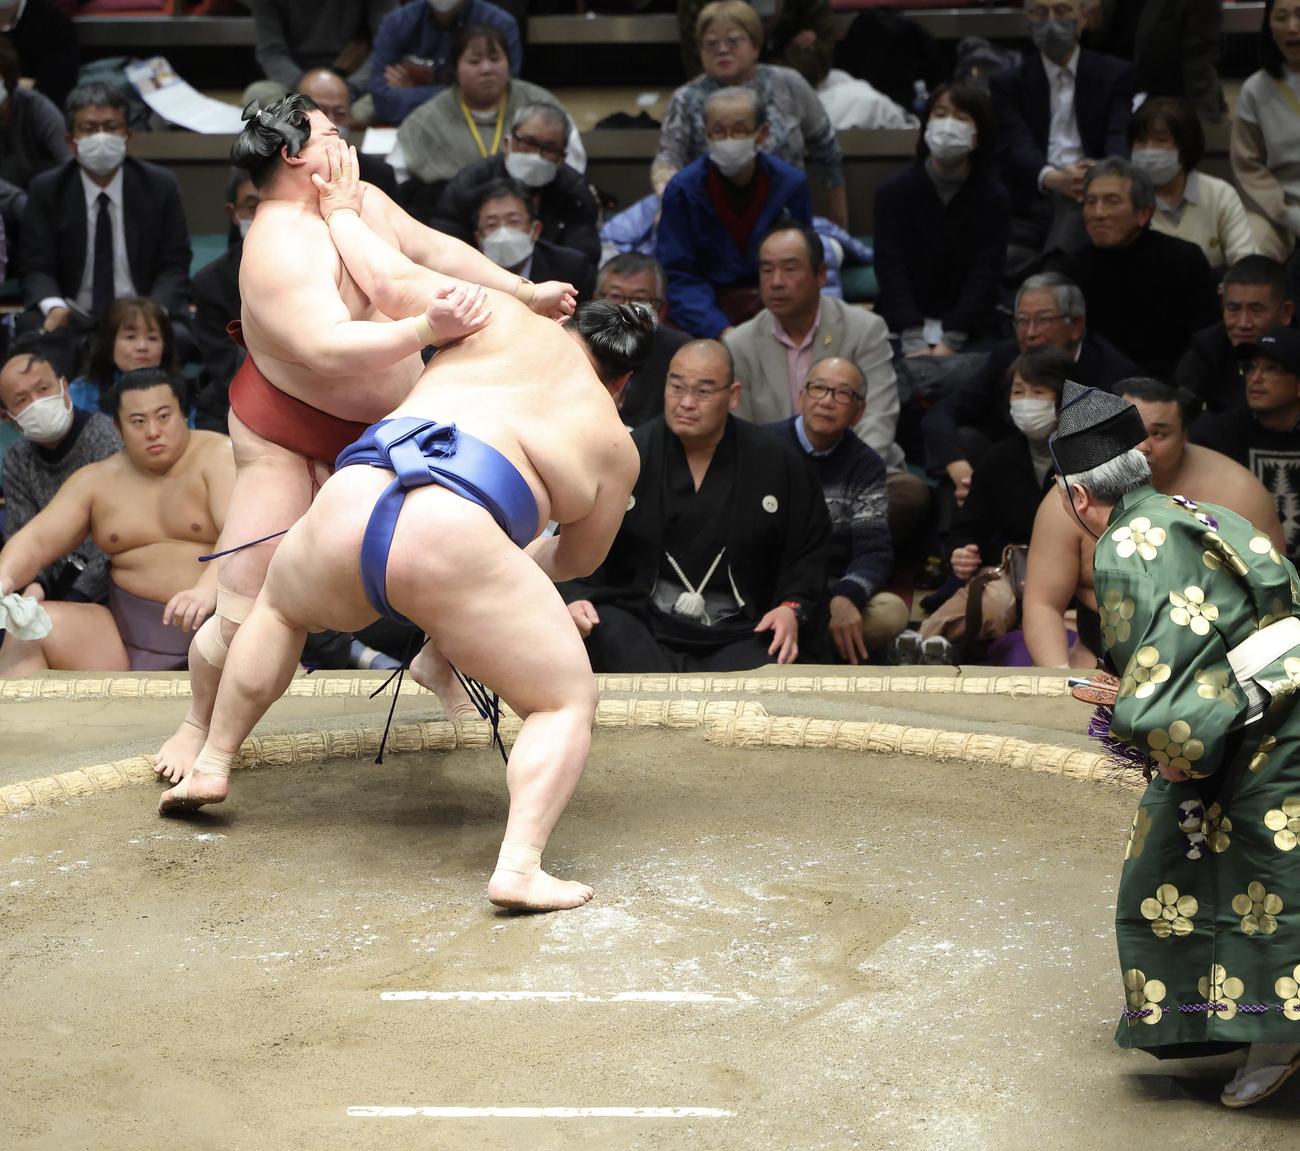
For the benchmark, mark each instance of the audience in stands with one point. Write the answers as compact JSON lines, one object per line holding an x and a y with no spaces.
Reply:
{"x":507,"y":232}
{"x":1265,"y":142}
{"x":798,"y":327}
{"x":134,"y":333}
{"x":101,"y":226}
{"x":33,"y":139}
{"x":46,"y":44}
{"x":864,"y":617}
{"x":1059,"y":575}
{"x":1063,"y":107}
{"x":1262,"y":435}
{"x":633,"y":278}
{"x":1255,"y":300}
{"x":730,"y":36}
{"x":154,"y":508}
{"x":715,"y":211}
{"x":941,"y":229}
{"x":1168,"y":144}
{"x":534,"y":154}
{"x":216,"y":306}
{"x":1173,"y":45}
{"x":467,"y":121}
{"x":720,"y":562}
{"x":419,"y":49}
{"x":852,"y":102}
{"x":333,"y":98}
{"x":1147,"y":293}
{"x":293,"y":39}
{"x":801,"y":37}
{"x":1050,"y":313}
{"x":57,"y":440}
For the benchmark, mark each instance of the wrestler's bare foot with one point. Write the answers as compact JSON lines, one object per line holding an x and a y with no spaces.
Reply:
{"x":194,"y":791}
{"x":431,"y":670}
{"x":537,"y":891}
{"x":176,"y":757}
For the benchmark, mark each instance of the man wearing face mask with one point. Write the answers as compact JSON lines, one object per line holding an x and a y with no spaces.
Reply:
{"x":57,"y":440}
{"x":101,"y":226}
{"x":216,"y":304}
{"x":533,"y":153}
{"x":508,"y":233}
{"x":1064,"y":108}
{"x":715,"y":212}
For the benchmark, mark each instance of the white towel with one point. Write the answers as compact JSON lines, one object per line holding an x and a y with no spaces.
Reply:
{"x":23,"y":617}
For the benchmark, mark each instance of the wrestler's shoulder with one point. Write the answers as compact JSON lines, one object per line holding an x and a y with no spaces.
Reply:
{"x":211,"y":445}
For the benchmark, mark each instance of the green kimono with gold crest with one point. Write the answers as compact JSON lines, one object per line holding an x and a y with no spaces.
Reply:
{"x":1208,"y":913}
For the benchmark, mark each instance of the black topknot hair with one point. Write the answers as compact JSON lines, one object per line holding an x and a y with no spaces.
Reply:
{"x":283,"y":124}
{"x":619,"y":335}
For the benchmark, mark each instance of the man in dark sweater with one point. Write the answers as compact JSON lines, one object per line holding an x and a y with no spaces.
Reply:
{"x":1264,"y":436}
{"x":46,"y":45}
{"x":863,"y":618}
{"x":1256,"y":299}
{"x":57,"y":440}
{"x":1147,"y":293}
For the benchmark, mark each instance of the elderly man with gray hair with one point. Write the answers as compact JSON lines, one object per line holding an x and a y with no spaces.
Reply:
{"x":1199,"y":628}
{"x":1147,"y":293}
{"x":533,"y":153}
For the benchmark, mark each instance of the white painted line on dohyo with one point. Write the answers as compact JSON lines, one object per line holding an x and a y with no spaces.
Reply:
{"x":563,"y":997}
{"x":538,"y":1113}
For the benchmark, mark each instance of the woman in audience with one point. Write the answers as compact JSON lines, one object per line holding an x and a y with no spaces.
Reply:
{"x":1015,"y":473}
{"x":469,"y":120}
{"x":33,"y":137}
{"x":1167,"y":143}
{"x":941,"y":229}
{"x":134,"y":333}
{"x":730,"y":38}
{"x":1265,"y":144}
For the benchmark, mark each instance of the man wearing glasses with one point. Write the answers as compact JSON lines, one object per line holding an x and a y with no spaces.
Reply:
{"x":101,"y":226}
{"x":720,"y":561}
{"x":533,"y":154}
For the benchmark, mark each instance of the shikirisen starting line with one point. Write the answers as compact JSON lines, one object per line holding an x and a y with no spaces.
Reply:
{"x":560,"y":997}
{"x":538,"y":1113}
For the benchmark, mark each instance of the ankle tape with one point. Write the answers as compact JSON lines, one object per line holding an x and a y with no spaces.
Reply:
{"x":519,"y":858}
{"x":213,"y":762}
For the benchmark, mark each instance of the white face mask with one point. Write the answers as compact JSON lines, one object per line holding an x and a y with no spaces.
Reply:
{"x":530,"y":169}
{"x":102,"y":153}
{"x":45,"y":421}
{"x":949,"y":139}
{"x":1036,"y":419}
{"x":442,"y":7}
{"x":731,"y":157}
{"x":243,"y":226}
{"x":1161,"y":164}
{"x":507,"y":247}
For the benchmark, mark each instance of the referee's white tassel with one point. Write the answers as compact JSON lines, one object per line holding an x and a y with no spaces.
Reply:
{"x":690,"y":604}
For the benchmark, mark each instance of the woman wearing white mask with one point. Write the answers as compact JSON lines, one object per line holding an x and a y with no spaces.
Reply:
{"x":1167,"y":143}
{"x":1016,"y":472}
{"x":941,"y":230}
{"x":470,"y":120}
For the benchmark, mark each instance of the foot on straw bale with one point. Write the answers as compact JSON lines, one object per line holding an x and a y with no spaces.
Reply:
{"x":520,"y":884}
{"x":207,"y":782}
{"x":175,"y":758}
{"x":431,"y":670}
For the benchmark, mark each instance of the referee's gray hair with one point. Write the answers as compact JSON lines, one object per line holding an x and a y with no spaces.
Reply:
{"x":1068,"y":294}
{"x":547,"y":113}
{"x":1107,"y":483}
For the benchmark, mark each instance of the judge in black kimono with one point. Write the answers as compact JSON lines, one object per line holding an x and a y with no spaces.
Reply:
{"x":720,"y":563}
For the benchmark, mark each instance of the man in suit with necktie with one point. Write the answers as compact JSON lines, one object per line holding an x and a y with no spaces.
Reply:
{"x":101,"y":226}
{"x":1064,"y":108}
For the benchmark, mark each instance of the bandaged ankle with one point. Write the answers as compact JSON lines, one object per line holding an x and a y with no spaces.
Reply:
{"x":519,"y":858}
{"x":214,"y":762}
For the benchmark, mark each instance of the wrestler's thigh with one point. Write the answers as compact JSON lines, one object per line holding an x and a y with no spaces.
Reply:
{"x":488,"y":607}
{"x":273,"y":488}
{"x":83,"y":637}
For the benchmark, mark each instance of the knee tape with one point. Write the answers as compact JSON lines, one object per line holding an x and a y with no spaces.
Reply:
{"x":233,"y":606}
{"x":211,"y":644}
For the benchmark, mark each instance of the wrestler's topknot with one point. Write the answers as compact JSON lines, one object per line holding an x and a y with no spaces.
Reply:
{"x":283,"y":124}
{"x":619,"y":335}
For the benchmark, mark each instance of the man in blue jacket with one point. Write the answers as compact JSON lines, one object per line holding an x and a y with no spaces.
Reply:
{"x":415,"y":51}
{"x":716,"y":210}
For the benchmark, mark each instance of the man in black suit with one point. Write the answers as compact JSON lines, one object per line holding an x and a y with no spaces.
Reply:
{"x":330,"y":92}
{"x":508,"y":233}
{"x":216,"y":303}
{"x":1062,"y":109}
{"x":533,"y":154}
{"x":101,"y":226}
